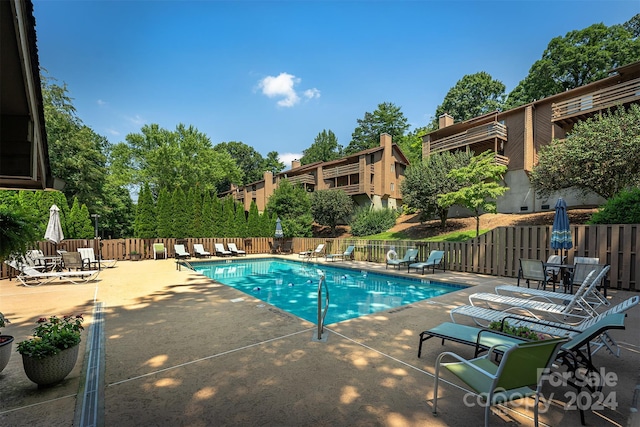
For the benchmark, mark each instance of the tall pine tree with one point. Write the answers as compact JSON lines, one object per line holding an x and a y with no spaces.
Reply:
{"x":217,"y":224}
{"x":253,"y":221}
{"x":145,"y":224}
{"x":180,"y":220}
{"x":240,"y":221}
{"x":164,"y":213}
{"x":207,"y":215}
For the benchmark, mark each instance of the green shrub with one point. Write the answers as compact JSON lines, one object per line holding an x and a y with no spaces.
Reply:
{"x":624,"y":208}
{"x":366,"y":222}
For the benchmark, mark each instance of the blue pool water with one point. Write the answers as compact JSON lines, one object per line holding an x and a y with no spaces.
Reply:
{"x":293,"y":286}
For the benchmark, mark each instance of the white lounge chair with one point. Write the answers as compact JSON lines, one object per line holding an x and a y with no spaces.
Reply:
{"x":575,"y":307}
{"x":435,"y":259}
{"x":198,"y":249}
{"x":88,"y":255}
{"x":316,"y":252}
{"x":29,"y":276}
{"x":483,"y":316}
{"x":220,"y":250}
{"x":181,"y":252}
{"x":234,"y":249}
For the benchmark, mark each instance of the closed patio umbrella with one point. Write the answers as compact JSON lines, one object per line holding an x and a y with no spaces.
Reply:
{"x":279,"y":234}
{"x":561,"y":232}
{"x":54,"y":229}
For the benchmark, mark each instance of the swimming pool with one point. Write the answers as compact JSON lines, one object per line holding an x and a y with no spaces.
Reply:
{"x":293,"y":286}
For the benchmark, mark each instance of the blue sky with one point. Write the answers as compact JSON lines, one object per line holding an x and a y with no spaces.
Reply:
{"x":274,"y":74}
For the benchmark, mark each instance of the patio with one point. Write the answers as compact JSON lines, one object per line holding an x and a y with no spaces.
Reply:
{"x":179,"y":351}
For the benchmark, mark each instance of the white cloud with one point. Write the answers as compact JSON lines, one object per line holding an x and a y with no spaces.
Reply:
{"x":113,"y":132}
{"x":283,"y":86}
{"x":136,"y":120}
{"x":100,"y":102}
{"x":312,"y":93}
{"x":286,"y":158}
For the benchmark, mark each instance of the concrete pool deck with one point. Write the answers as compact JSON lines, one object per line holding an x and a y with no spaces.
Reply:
{"x":178,"y":351}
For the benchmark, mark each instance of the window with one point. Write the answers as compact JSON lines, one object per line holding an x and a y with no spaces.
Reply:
{"x":393,"y":167}
{"x":392,"y":186}
{"x":372,"y":159}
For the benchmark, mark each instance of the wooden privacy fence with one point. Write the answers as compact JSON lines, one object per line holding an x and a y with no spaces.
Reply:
{"x":494,"y":253}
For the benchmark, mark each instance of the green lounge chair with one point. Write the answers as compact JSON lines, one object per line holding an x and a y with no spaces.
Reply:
{"x":519,"y":373}
{"x":435,"y":259}
{"x":409,"y":256}
{"x":159,"y":251}
{"x":347,"y":254}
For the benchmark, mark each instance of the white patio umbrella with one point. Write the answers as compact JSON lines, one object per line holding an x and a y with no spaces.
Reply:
{"x":54,"y":229}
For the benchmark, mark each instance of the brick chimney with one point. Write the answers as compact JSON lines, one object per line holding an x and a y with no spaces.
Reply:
{"x":444,"y":121}
{"x":295,"y":164}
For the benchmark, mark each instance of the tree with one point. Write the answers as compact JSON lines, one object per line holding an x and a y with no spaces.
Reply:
{"x":580,"y":57}
{"x":411,"y":144}
{"x":77,"y":154}
{"x":472,"y":96}
{"x":181,"y":158}
{"x":387,"y":118}
{"x":600,"y":155}
{"x":624,"y":208}
{"x":164,"y":213}
{"x":249,"y":161}
{"x":481,"y":186}
{"x":292,"y":205}
{"x":145,"y":225}
{"x":207,"y":215}
{"x":425,"y":181}
{"x":253,"y":221}
{"x":325,"y":148}
{"x":180,"y":220}
{"x":17,"y":231}
{"x":217,"y":224}
{"x":329,"y":207}
{"x":240,"y":221}
{"x":272,"y":163}
{"x":228,"y":217}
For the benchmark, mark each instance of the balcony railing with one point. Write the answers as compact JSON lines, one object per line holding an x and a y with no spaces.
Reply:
{"x":502,"y":160}
{"x":602,"y":99}
{"x":302,"y":179}
{"x":471,"y":136}
{"x":343,"y":170}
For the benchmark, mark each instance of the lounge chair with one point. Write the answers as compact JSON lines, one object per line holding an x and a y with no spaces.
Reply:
{"x":159,"y":251}
{"x":519,"y":373}
{"x":347,"y":254}
{"x":553,"y":273}
{"x":198,"y":249}
{"x":581,"y":268}
{"x":316,"y":252}
{"x":220,"y":250}
{"x":409,"y":257}
{"x":533,"y":270}
{"x":595,"y":299}
{"x":574,"y":307}
{"x":73,"y":260}
{"x":575,"y":354}
{"x":286,"y":247}
{"x":274,"y":248}
{"x":88,"y":255}
{"x":435,"y":259}
{"x":181,"y":252}
{"x":487,"y":315}
{"x":234,"y":249}
{"x":29,"y":276}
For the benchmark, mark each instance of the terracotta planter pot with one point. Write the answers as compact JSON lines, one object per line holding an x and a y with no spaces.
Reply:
{"x":51,"y":369}
{"x":5,"y":350}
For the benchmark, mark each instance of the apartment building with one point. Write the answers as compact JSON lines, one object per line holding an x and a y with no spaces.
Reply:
{"x":516,"y":136}
{"x":371,"y":177}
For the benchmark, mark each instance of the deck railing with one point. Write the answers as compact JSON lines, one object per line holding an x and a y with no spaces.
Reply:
{"x":602,"y":99}
{"x":494,"y":253}
{"x":474,"y":135}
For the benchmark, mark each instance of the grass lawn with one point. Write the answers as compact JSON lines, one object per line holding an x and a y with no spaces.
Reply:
{"x":456,"y":236}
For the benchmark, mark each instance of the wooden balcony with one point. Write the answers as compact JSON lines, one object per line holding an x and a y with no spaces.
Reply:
{"x":353,"y":189}
{"x":342,"y":170}
{"x":584,"y":106}
{"x":302,"y":179}
{"x":502,"y":160}
{"x":482,"y":133}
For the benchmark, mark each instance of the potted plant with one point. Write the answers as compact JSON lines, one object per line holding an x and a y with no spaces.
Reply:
{"x":517,"y":331}
{"x":5,"y":344}
{"x":51,"y":354}
{"x":135,"y":256}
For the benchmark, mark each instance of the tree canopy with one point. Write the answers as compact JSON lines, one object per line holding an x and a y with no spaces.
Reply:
{"x":425,"y":181}
{"x":329,"y":207}
{"x":472,"y":96}
{"x":387,"y":118}
{"x":325,"y":148}
{"x":600,"y":155}
{"x":580,"y":57}
{"x":292,"y":205}
{"x":481,"y":186}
